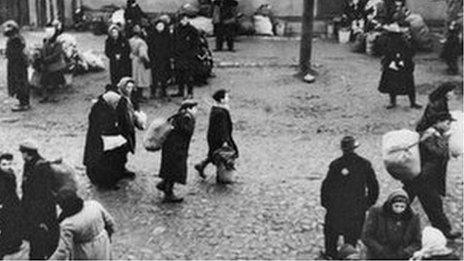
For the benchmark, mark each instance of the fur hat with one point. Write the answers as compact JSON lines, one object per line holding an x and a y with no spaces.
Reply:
{"x":6,"y":156}
{"x":349,"y":143}
{"x":188,"y":104}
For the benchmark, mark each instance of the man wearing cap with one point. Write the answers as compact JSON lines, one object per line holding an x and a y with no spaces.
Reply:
{"x":174,"y":152}
{"x":41,"y":227}
{"x":18,"y":85}
{"x":349,"y":189}
{"x":10,"y":209}
{"x":430,"y":185}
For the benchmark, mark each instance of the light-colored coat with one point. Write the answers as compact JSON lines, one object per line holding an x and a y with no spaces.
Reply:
{"x":139,"y":56}
{"x":84,"y":236}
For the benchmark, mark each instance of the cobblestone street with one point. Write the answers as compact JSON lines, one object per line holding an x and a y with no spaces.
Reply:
{"x":287,"y":132}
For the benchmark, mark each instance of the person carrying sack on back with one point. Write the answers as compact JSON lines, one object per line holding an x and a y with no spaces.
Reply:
{"x":219,"y":130}
{"x":430,"y":185}
{"x":174,"y":151}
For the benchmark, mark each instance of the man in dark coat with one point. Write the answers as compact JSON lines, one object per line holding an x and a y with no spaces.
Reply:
{"x":18,"y":85}
{"x":174,"y":151}
{"x":398,"y":70}
{"x":118,"y":50}
{"x":224,"y":21}
{"x":160,"y":54}
{"x":344,"y":196}
{"x":430,"y":185}
{"x":186,"y":47}
{"x":219,"y":130}
{"x":10,"y":209}
{"x":38,"y":203}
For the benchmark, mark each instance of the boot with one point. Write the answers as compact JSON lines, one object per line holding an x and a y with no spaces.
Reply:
{"x":200,"y":167}
{"x":169,"y":196}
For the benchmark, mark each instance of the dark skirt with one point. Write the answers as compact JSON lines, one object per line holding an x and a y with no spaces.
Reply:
{"x":109,"y":169}
{"x":51,"y":80}
{"x":397,"y":83}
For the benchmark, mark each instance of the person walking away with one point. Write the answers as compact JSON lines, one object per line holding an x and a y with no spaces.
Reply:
{"x":18,"y":85}
{"x":53,"y":64}
{"x":224,"y":22}
{"x":118,"y":50}
{"x":11,"y":225}
{"x":434,"y":246}
{"x":349,"y":189}
{"x":111,"y":115}
{"x":219,"y":130}
{"x":398,"y":69}
{"x":133,"y":15}
{"x":186,"y":48}
{"x":141,"y":73}
{"x":392,"y":231}
{"x":160,"y":54}
{"x":452,"y":48}
{"x":86,"y":228}
{"x":38,"y":203}
{"x":438,"y":103}
{"x":430,"y":185}
{"x":174,"y":151}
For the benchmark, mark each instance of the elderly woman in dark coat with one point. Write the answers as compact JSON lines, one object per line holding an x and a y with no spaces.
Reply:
{"x":438,"y":103}
{"x":17,"y":66}
{"x":398,"y":70}
{"x":219,"y":130}
{"x":160,"y":53}
{"x":174,"y":151}
{"x":111,"y":115}
{"x":117,"y":49}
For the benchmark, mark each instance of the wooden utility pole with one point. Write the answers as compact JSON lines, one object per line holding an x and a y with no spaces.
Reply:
{"x":306,"y":37}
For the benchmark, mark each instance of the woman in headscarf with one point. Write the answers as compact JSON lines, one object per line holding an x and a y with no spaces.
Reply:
{"x":118,"y":50}
{"x":174,"y":151}
{"x":438,"y":103}
{"x":141,"y":73}
{"x":18,"y":85}
{"x":160,"y":52}
{"x":392,"y":231}
{"x":85,"y":229}
{"x":53,"y":62}
{"x":111,"y":116}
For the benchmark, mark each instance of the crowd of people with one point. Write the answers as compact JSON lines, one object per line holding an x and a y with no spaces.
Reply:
{"x":144,"y":60}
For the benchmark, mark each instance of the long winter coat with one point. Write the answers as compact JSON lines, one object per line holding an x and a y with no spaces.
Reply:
{"x":85,"y":236}
{"x":108,"y":117}
{"x":388,"y":236}
{"x":140,"y":59}
{"x":397,"y":66}
{"x":118,"y":67}
{"x":10,"y":215}
{"x":174,"y":151}
{"x":53,"y":62}
{"x":344,"y":195}
{"x":186,"y":48}
{"x":434,"y":153}
{"x":17,"y":65}
{"x":39,"y":205}
{"x":160,"y":54}
{"x":220,"y":130}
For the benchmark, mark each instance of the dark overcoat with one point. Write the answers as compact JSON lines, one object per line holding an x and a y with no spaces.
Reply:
{"x":433,"y":108}
{"x":104,"y":168}
{"x":10,"y":215}
{"x":53,"y":63}
{"x":17,"y":65}
{"x":118,"y":67}
{"x":389,"y":237}
{"x":39,"y":207}
{"x":349,"y":189}
{"x":397,"y":52}
{"x":220,"y":130}
{"x":186,"y":47}
{"x":174,"y":151}
{"x":160,"y":54}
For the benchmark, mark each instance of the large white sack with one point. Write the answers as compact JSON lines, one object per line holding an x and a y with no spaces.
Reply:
{"x":68,"y":43}
{"x":202,"y":23}
{"x":118,"y":17}
{"x":95,"y":62}
{"x":263,"y":25}
{"x":456,"y":139}
{"x":400,"y":153}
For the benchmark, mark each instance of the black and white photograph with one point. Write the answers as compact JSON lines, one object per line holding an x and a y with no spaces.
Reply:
{"x":231,"y":130}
